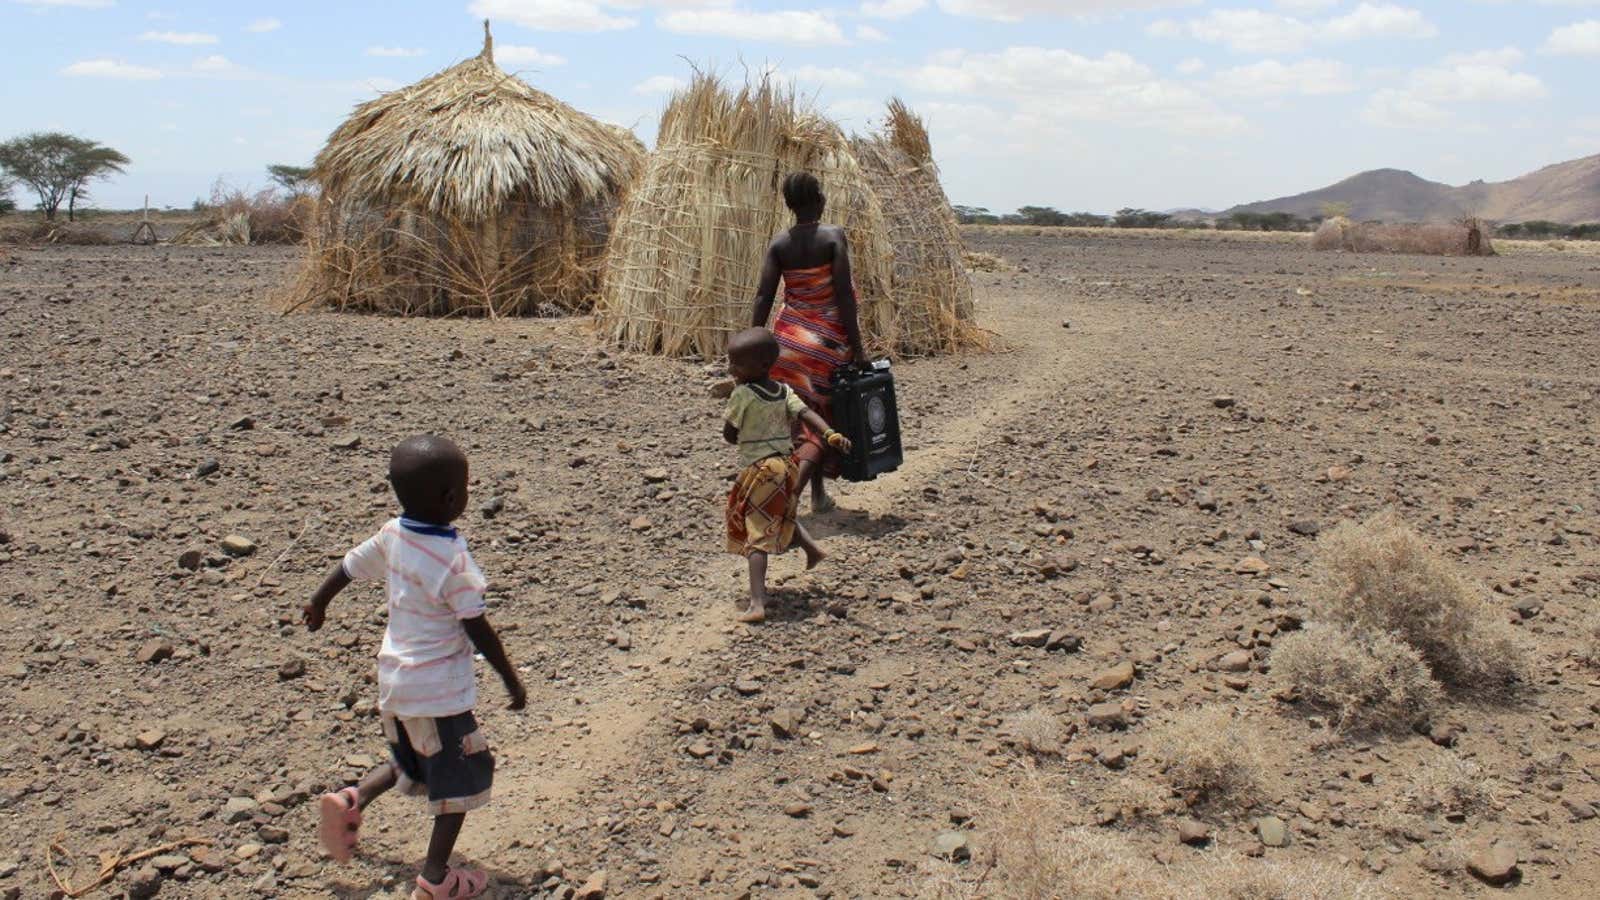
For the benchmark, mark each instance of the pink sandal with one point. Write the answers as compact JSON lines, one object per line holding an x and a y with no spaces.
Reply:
{"x":457,"y":884}
{"x":341,"y":823}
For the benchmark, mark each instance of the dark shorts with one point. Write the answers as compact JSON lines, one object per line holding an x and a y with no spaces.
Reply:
{"x":446,"y":760}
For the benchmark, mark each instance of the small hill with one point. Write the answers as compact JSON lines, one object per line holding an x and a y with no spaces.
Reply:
{"x":1565,"y":192}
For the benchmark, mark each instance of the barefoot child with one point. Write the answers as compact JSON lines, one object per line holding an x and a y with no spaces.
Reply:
{"x":761,"y":507}
{"x":426,"y":690}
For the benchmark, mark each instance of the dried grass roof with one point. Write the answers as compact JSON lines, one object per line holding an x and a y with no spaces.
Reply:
{"x":469,"y":139}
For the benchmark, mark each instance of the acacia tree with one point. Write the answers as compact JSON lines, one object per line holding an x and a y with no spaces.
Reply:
{"x":294,"y":179}
{"x":58,"y":167}
{"x":6,"y":184}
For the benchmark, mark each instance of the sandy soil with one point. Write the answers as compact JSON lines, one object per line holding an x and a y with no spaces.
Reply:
{"x":151,"y":404}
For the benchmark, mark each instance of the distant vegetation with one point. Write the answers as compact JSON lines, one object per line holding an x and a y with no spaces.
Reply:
{"x":1050,"y":217}
{"x":57,"y":167}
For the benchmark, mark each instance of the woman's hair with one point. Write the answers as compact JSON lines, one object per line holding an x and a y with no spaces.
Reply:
{"x":802,"y":191}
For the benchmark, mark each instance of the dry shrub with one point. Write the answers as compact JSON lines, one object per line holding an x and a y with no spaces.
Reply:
{"x":1380,"y":576}
{"x":1037,"y":731}
{"x":1467,"y":237}
{"x":1589,"y":637}
{"x":235,"y":216}
{"x":1026,"y":851}
{"x":1207,"y":758}
{"x":1364,"y":680}
{"x":1451,"y":786}
{"x":985,"y":262}
{"x":47,"y":232}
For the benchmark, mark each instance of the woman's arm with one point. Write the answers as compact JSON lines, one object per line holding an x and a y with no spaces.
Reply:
{"x":767,"y":292}
{"x":844,"y":293}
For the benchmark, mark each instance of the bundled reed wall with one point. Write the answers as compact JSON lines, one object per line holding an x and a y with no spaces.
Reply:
{"x":1468,"y":237}
{"x":685,"y":259}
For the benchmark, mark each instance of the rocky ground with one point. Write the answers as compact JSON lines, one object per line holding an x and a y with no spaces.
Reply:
{"x":1128,"y":497}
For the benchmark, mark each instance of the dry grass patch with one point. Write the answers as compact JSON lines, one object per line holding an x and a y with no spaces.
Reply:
{"x":1038,"y":731}
{"x":1207,"y":758}
{"x":1381,"y":577}
{"x":1589,"y":641}
{"x":1364,"y":680}
{"x":1452,"y":786}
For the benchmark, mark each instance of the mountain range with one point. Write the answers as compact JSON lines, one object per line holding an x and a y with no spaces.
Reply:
{"x":1566,"y":192}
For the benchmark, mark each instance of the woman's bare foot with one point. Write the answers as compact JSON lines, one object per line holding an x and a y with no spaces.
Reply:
{"x":814,"y":556}
{"x":755,"y":614}
{"x":823,"y":503}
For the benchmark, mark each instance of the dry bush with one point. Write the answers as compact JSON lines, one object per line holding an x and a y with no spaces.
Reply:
{"x":1589,"y":636}
{"x":1380,"y":576}
{"x":236,"y":216}
{"x":1364,"y":680}
{"x":1038,"y":731}
{"x":1027,"y":852}
{"x":48,"y":232}
{"x":976,"y":261}
{"x":1451,"y":785}
{"x":1207,"y":758}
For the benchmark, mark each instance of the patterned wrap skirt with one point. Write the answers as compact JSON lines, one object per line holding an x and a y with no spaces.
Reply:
{"x":812,"y":345}
{"x":762,"y":507}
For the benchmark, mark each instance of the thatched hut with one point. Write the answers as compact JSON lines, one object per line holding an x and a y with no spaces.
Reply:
{"x":467,"y":193}
{"x":932,"y":291}
{"x":686,"y":255}
{"x":1468,"y":237}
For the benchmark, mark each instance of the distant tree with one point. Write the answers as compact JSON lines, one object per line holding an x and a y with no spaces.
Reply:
{"x":58,"y":167}
{"x":1047,"y":216}
{"x":1086,"y":220}
{"x":6,"y":203}
{"x":1541,"y":229}
{"x":1510,"y":229}
{"x":1589,"y":231}
{"x":294,"y":179}
{"x":975,"y":215}
{"x":1141,"y":218}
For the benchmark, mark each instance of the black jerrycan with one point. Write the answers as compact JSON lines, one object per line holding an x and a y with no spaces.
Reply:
{"x":864,"y":411}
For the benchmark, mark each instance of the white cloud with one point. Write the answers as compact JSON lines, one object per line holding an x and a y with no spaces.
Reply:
{"x":870,"y":35}
{"x":181,"y":38}
{"x":262,"y":26}
{"x":552,"y":15}
{"x":786,"y":26}
{"x":1271,"y":78}
{"x":1577,"y":39}
{"x":111,"y":68}
{"x":395,"y":51}
{"x":215,"y":64}
{"x":1191,"y":66}
{"x":827,"y":77}
{"x":660,"y":84}
{"x":892,"y":9}
{"x":76,"y":4}
{"x":1261,"y":31}
{"x":1017,"y":10}
{"x":1459,"y":80}
{"x":1053,"y":89}
{"x":513,"y":55}
{"x":1306,"y":6}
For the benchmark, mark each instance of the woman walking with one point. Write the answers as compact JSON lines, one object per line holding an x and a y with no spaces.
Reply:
{"x":817,"y":330}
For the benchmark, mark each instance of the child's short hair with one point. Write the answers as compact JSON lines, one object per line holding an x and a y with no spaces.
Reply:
{"x":754,"y":345}
{"x":802,"y":190}
{"x":421,"y":467}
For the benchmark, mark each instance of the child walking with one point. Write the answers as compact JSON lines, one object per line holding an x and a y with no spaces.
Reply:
{"x":426,"y":689}
{"x":761,"y":507}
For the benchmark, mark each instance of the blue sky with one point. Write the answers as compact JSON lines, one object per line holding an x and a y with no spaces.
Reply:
{"x":1079,"y":104}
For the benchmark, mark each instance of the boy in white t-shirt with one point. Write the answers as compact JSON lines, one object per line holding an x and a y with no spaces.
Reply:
{"x":762,"y":505}
{"x":426,"y":686}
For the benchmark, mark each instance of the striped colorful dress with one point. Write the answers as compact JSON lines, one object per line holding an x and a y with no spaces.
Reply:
{"x":812,"y":344}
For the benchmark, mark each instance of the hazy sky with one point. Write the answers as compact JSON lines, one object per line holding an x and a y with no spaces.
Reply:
{"x":1079,"y":104}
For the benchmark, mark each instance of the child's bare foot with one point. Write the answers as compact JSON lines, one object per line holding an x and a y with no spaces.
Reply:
{"x":823,"y":503}
{"x":814,"y":556}
{"x":755,"y":614}
{"x":340,"y":823}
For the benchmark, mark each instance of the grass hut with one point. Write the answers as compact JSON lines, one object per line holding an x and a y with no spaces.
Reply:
{"x":467,"y":193}
{"x":1468,"y":237}
{"x":686,"y":255}
{"x":932,"y":291}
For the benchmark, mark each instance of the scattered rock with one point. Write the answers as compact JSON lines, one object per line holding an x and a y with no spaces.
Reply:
{"x":150,"y":740}
{"x":1061,"y":641}
{"x":785,"y":722}
{"x":492,"y":507}
{"x":746,"y":687}
{"x":1223,"y":401}
{"x":655,"y":476}
{"x":700,"y":750}
{"x":594,"y":888}
{"x":951,"y":845}
{"x":1036,"y":637}
{"x":1194,"y":833}
{"x":1114,"y":678}
{"x":207,"y":468}
{"x":1107,"y":715}
{"x":348,"y":442}
{"x":797,"y":810}
{"x":1252,"y":565}
{"x":1204,"y":499}
{"x":191,"y":559}
{"x":1496,"y":865}
{"x":239,"y":809}
{"x":1272,"y":831}
{"x":155,"y":650}
{"x":145,"y":883}
{"x":1338,"y":473}
{"x":238,"y":545}
{"x":1237,"y":661}
{"x":1305,"y":528}
{"x":1580,"y":811}
{"x":291,"y":669}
